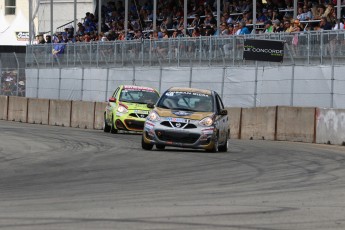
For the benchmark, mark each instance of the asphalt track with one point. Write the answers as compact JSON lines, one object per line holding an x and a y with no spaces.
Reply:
{"x":71,"y":179}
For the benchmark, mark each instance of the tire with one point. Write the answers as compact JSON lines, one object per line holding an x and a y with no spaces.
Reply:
{"x":160,"y":147}
{"x":106,"y":127}
{"x":215,"y":146}
{"x":113,"y":129}
{"x":145,"y":145}
{"x":224,"y":147}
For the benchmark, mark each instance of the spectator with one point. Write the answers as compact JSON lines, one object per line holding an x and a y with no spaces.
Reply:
{"x":336,"y":25}
{"x":324,"y":24}
{"x":330,"y":13}
{"x":41,"y":39}
{"x":210,"y":20}
{"x":268,"y":27}
{"x":224,"y":30}
{"x":247,"y":17}
{"x":81,"y":29}
{"x":242,"y":29}
{"x":48,"y":39}
{"x":296,"y":27}
{"x":196,"y":21}
{"x":58,"y":47}
{"x":287,"y":26}
{"x":278,"y":26}
{"x":236,"y":28}
{"x":320,"y":11}
{"x":304,"y":13}
{"x":262,"y":16}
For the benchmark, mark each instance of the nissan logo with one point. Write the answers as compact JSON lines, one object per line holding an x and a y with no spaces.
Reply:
{"x":178,"y":125}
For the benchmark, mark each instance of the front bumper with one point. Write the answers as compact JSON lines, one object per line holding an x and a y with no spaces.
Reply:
{"x":191,"y":136}
{"x":131,"y":121}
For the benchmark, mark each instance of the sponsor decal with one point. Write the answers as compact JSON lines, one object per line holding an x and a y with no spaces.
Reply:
{"x":263,"y":50}
{"x":141,"y":88}
{"x":179,"y":120}
{"x":149,"y":124}
{"x":119,"y":114}
{"x":207,"y":131}
{"x":148,"y":127}
{"x":172,"y":93}
{"x":182,"y":113}
{"x":141,"y":112}
{"x":22,"y":36}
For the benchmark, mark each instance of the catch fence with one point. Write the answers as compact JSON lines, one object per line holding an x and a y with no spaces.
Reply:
{"x":308,"y":48}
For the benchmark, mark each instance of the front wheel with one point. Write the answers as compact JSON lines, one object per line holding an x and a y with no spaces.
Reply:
{"x":106,"y":127}
{"x":224,"y":147}
{"x":215,"y":147}
{"x":144,"y":145}
{"x":113,"y":129}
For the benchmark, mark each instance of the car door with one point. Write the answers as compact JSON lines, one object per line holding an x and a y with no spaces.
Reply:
{"x":222,"y":120}
{"x":111,"y":105}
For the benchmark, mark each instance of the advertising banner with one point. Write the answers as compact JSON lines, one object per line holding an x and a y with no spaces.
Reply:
{"x":263,"y":50}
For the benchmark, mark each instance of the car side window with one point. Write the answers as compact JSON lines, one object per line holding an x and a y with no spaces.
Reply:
{"x":219,"y":102}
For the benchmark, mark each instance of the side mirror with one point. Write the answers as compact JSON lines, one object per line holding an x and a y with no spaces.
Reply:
{"x":150,"y":105}
{"x":223,"y":112}
{"x":112,"y":99}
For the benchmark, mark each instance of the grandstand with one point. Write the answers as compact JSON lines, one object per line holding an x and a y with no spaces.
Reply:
{"x":204,"y":35}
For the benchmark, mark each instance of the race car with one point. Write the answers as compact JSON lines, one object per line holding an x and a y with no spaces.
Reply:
{"x":127,"y":108}
{"x":188,"y":118}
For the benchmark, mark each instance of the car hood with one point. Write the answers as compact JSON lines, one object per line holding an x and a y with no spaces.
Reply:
{"x":183,"y":114}
{"x":134,"y":106}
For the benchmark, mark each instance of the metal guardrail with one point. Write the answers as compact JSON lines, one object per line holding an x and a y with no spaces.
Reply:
{"x":317,"y":47}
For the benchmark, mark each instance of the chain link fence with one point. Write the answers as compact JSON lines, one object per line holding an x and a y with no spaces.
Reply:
{"x":12,"y":74}
{"x":308,"y":48}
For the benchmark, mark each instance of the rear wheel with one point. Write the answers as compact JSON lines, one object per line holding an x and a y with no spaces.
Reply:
{"x":160,"y":147}
{"x":106,"y":127}
{"x":144,"y":145}
{"x":113,"y":129}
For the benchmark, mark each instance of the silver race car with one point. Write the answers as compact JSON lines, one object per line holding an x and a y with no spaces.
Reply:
{"x":188,"y":118}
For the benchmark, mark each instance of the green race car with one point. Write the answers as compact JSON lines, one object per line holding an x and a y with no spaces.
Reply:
{"x":127,"y":108}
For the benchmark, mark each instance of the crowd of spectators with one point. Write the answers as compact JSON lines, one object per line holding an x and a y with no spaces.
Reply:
{"x":236,"y":18}
{"x":10,"y":85}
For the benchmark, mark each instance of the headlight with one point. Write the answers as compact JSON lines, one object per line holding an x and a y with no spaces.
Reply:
{"x":153,"y":116}
{"x":122,"y":109}
{"x":207,"y":121}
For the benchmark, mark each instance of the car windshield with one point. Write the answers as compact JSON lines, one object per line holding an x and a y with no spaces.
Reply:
{"x":138,"y":96}
{"x":190,"y":101}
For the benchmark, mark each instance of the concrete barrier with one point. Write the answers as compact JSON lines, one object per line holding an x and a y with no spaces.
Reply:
{"x":235,"y":122}
{"x":83,"y":114}
{"x":3,"y":107}
{"x":330,"y":126}
{"x":38,"y":111}
{"x":99,"y":115}
{"x":296,"y":124}
{"x":269,"y":123}
{"x":60,"y":112}
{"x":17,"y":109}
{"x":258,"y":123}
